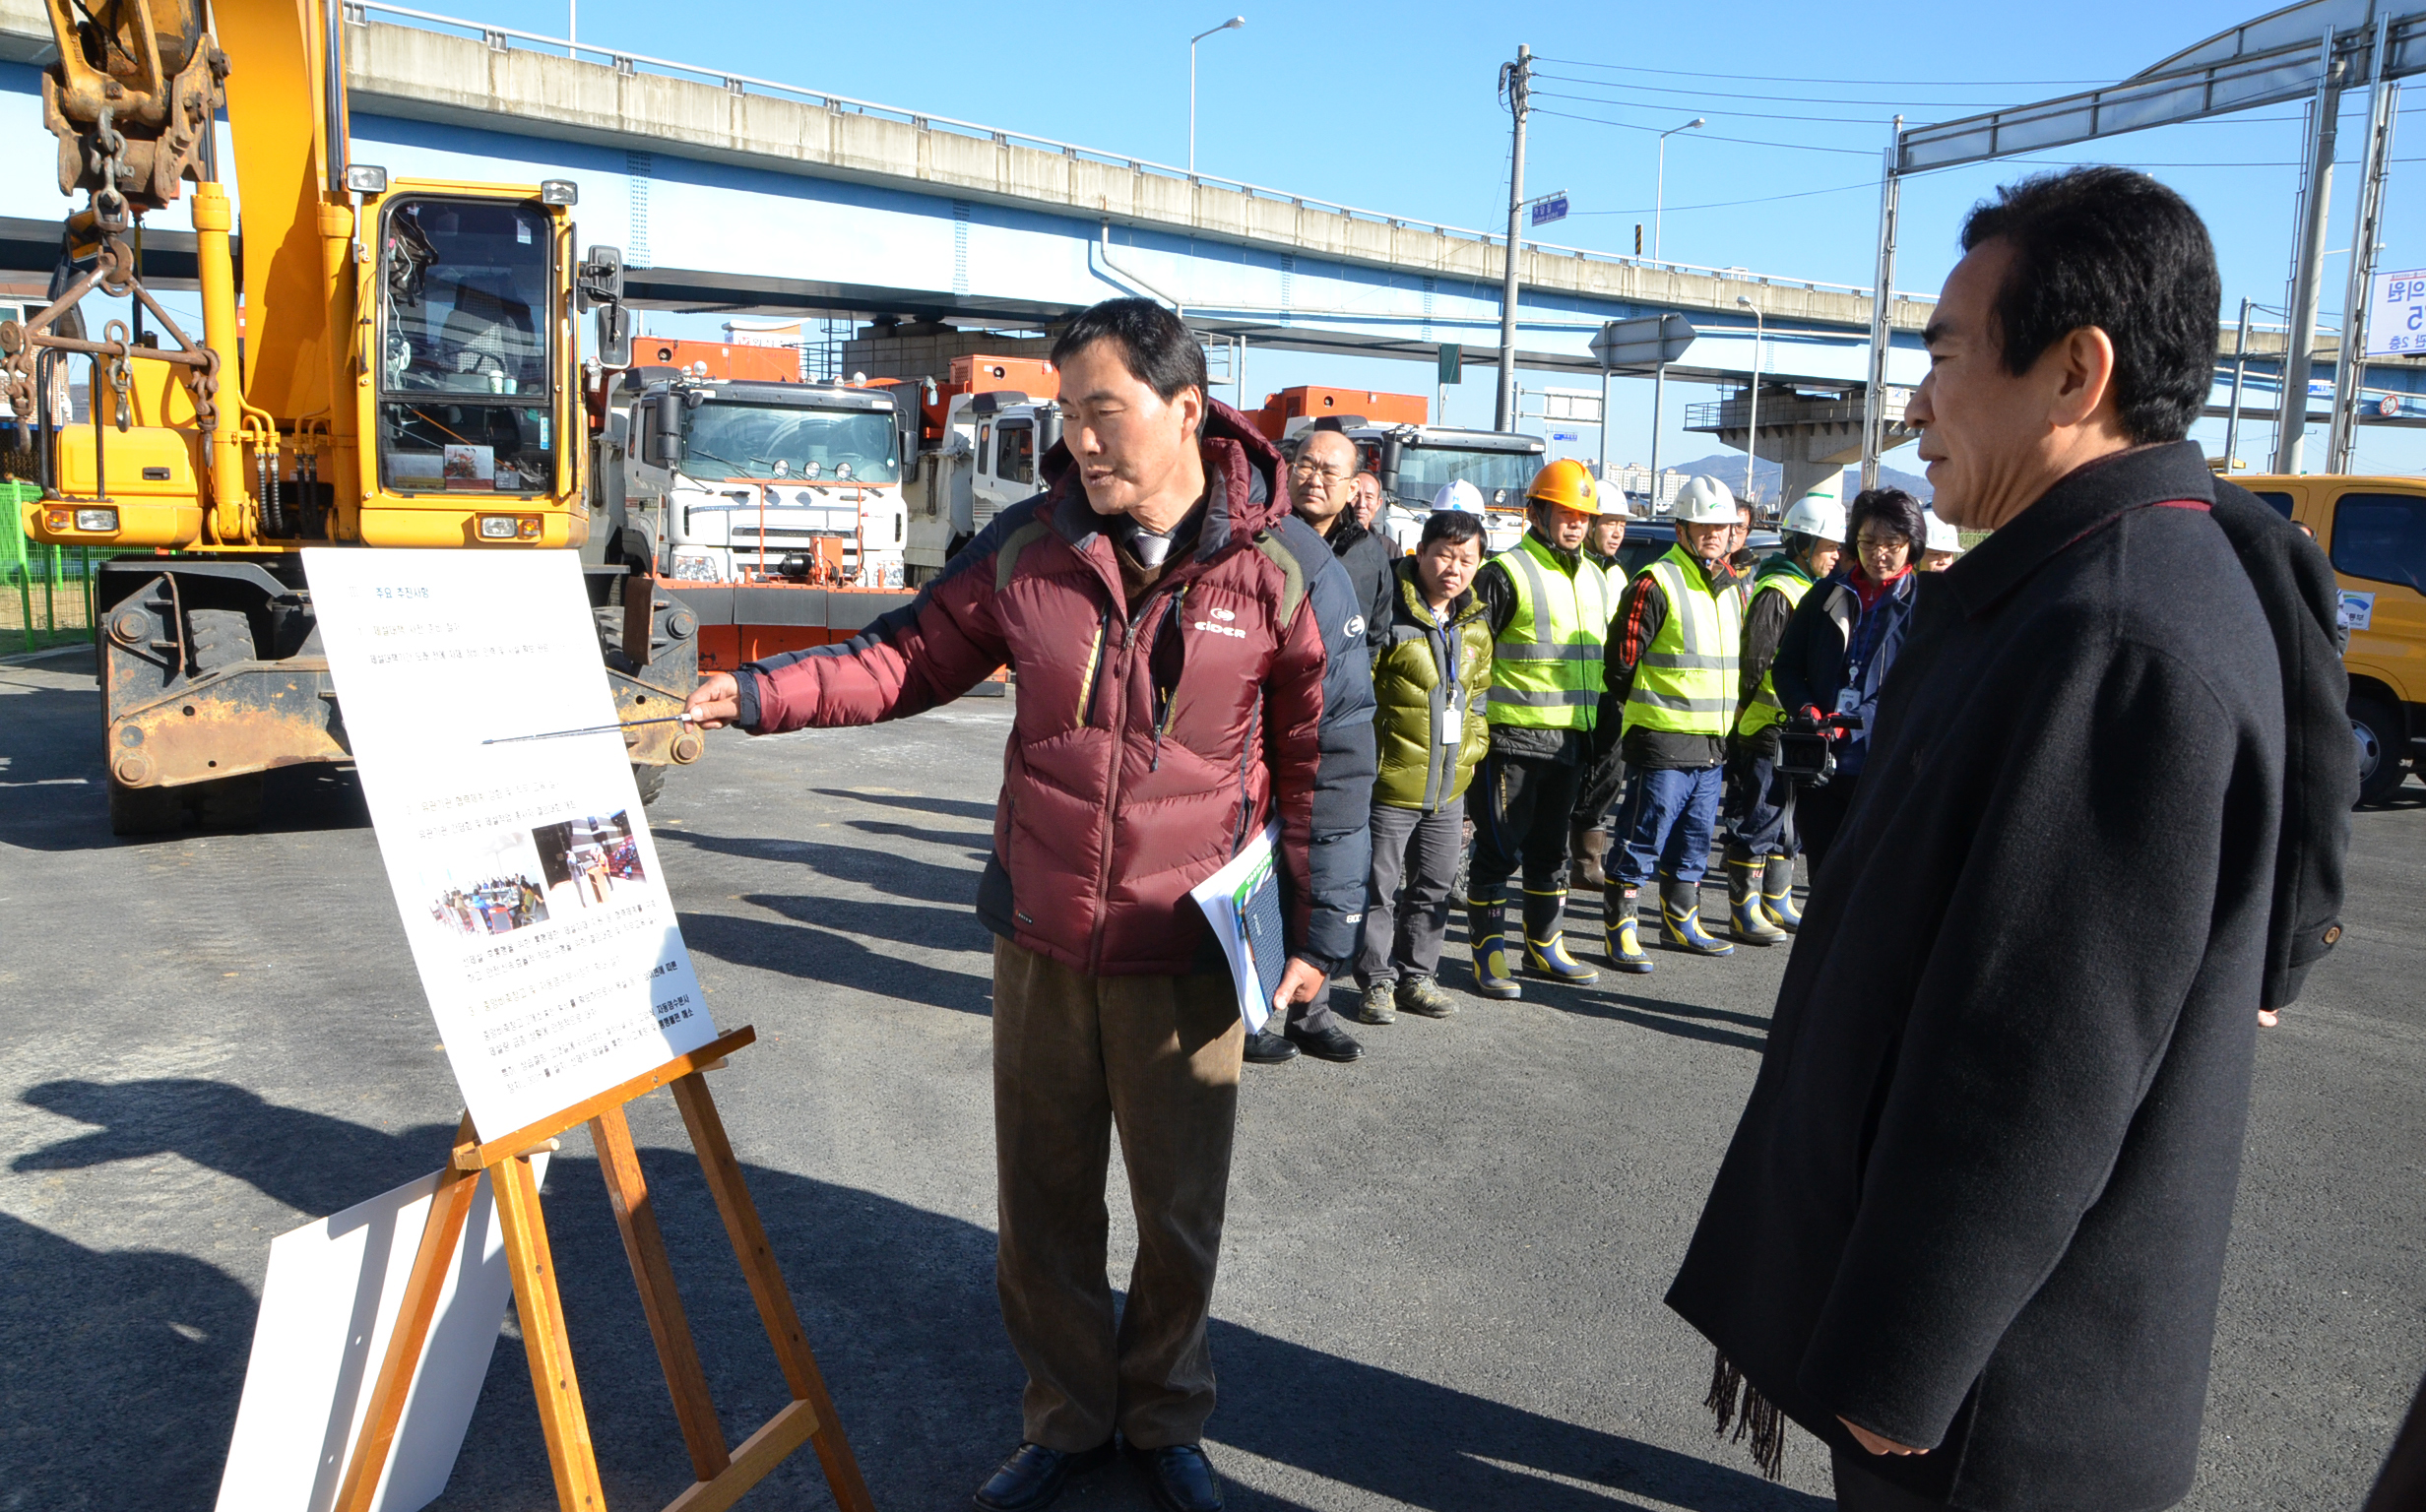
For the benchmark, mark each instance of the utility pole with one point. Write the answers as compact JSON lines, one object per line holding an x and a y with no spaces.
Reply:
{"x":2316,"y":199}
{"x":1882,"y":307}
{"x":2350,"y":368}
{"x":2240,"y":372}
{"x":1515,"y":82}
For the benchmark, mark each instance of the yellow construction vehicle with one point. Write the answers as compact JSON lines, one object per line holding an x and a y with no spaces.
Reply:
{"x":397,"y":367}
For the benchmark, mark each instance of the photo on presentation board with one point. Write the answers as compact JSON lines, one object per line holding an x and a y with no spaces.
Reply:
{"x":586,"y":859}
{"x":488,"y":883}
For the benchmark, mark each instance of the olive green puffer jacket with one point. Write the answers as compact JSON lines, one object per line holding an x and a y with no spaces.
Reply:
{"x":1412,"y":698}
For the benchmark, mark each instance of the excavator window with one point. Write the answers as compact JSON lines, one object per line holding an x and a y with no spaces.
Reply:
{"x":465,"y":375}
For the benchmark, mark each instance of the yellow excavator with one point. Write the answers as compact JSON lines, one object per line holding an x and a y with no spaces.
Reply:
{"x":380,"y":364}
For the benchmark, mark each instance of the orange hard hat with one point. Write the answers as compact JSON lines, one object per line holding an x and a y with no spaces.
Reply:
{"x":1568,"y":483}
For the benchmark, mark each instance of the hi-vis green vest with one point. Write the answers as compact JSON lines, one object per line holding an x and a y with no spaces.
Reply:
{"x":1778,"y":574}
{"x":1686,"y":680}
{"x":1545,"y":667}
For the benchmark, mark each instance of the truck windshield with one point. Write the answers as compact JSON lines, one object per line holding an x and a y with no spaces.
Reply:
{"x":1424,"y":470}
{"x":465,"y":361}
{"x":724,"y":440}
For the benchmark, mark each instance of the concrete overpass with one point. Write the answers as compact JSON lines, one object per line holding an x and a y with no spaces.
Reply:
{"x":752,"y":196}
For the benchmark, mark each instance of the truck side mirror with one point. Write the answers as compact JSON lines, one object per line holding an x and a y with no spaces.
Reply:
{"x":614,"y":336}
{"x":599,"y":278}
{"x":666,"y":427}
{"x":597,"y":285}
{"x":1388,"y":470}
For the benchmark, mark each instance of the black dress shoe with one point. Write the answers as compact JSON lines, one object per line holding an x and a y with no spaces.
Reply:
{"x":1179,"y":1478}
{"x":1332,"y":1044}
{"x":1034,"y":1476}
{"x":1270,"y":1049}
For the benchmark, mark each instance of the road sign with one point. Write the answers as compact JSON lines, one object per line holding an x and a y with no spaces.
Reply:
{"x":2396,"y":314}
{"x":1452,"y":360}
{"x":1582,"y":404}
{"x":1549,"y":210}
{"x":1647,"y":341}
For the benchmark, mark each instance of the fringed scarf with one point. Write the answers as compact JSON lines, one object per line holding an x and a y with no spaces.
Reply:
{"x":1733,"y":1401}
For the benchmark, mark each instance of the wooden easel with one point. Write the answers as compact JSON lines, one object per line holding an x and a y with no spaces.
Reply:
{"x":723,"y":1473}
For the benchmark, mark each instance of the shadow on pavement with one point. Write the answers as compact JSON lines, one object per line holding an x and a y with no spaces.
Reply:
{"x":898,"y":1302}
{"x":818,"y":954}
{"x":867,"y":865}
{"x":961,"y":808}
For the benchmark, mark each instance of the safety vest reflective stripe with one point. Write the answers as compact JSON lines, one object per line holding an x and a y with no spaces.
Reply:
{"x":1546,"y":665}
{"x":1765,"y":710}
{"x":1685,"y":680}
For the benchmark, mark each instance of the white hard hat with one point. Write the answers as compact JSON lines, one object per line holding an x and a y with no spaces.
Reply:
{"x":1817,"y":516}
{"x":1942,"y":535}
{"x":1703,"y":500}
{"x":1460,"y":495}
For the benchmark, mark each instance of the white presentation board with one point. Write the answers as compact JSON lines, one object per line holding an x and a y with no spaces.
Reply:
{"x":327,"y":1305}
{"x":528,"y":880}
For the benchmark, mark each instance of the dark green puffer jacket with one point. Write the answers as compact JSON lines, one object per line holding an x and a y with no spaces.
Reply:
{"x":1412,"y":696}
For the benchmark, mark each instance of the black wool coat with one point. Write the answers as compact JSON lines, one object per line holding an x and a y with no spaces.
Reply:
{"x":1979,"y":1197}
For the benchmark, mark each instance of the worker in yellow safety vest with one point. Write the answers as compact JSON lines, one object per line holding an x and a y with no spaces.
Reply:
{"x":1761,"y":856}
{"x":1548,"y":608}
{"x":1672,"y":660}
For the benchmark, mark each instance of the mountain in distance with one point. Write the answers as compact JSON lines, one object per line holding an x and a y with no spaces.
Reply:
{"x":1728,"y":469}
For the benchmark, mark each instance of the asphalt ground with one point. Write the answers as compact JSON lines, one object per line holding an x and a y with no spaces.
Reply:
{"x":1441,"y":1276}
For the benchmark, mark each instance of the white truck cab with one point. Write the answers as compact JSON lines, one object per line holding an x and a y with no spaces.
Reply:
{"x":733,"y":479}
{"x":986,"y":460}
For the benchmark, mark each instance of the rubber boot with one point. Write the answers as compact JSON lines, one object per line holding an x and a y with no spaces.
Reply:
{"x":1778,"y":893}
{"x":1617,"y":903}
{"x":1589,"y":849}
{"x":1680,"y":916}
{"x":1487,"y":931}
{"x":1744,"y":913}
{"x":1545,"y":946}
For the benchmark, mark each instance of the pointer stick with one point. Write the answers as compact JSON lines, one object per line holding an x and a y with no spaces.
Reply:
{"x":593,"y":729}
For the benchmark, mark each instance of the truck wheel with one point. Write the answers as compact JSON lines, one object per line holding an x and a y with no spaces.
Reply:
{"x":2376,"y":727}
{"x":145,"y":810}
{"x":221,"y":638}
{"x":650,"y":779}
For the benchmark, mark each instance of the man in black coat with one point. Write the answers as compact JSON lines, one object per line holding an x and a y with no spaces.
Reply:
{"x":1970,"y":1231}
{"x":1321,"y":491}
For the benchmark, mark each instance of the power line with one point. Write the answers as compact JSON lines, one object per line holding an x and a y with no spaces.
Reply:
{"x":1802,"y":194}
{"x":1885,"y":83}
{"x":1749,"y":115}
{"x":1794,"y":146}
{"x":1779,"y":99}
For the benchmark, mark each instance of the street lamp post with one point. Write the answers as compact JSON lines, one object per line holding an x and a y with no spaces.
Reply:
{"x":1231,"y":24}
{"x":1751,"y":421}
{"x":1659,"y":184}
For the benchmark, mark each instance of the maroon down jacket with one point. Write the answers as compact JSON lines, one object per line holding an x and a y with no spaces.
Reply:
{"x":1145,"y":750}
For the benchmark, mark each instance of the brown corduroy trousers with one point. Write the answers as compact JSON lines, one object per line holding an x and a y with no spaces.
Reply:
{"x":1074,"y":1056}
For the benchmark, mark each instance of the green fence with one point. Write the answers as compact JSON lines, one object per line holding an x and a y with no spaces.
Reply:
{"x":45,"y":591}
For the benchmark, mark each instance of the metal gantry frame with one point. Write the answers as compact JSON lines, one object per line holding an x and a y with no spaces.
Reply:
{"x":2310,"y":51}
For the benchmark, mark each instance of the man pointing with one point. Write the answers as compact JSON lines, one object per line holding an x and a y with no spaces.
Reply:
{"x":1192,"y":666}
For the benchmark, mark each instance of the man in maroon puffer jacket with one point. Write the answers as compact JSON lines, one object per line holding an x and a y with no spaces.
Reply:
{"x":1191,"y":667}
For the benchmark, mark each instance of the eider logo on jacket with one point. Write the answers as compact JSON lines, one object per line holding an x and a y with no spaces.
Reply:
{"x":1232,"y":631}
{"x":1354,"y":628}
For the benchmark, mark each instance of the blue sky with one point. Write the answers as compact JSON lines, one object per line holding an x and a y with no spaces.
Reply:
{"x":1395,"y":109}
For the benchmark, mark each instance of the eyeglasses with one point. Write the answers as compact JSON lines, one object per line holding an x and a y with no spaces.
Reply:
{"x":1305,"y":469}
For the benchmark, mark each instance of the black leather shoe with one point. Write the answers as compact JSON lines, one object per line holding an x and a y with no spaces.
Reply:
{"x":1333,"y":1043}
{"x":1270,"y":1049}
{"x":1179,"y":1478}
{"x":1034,"y":1476}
